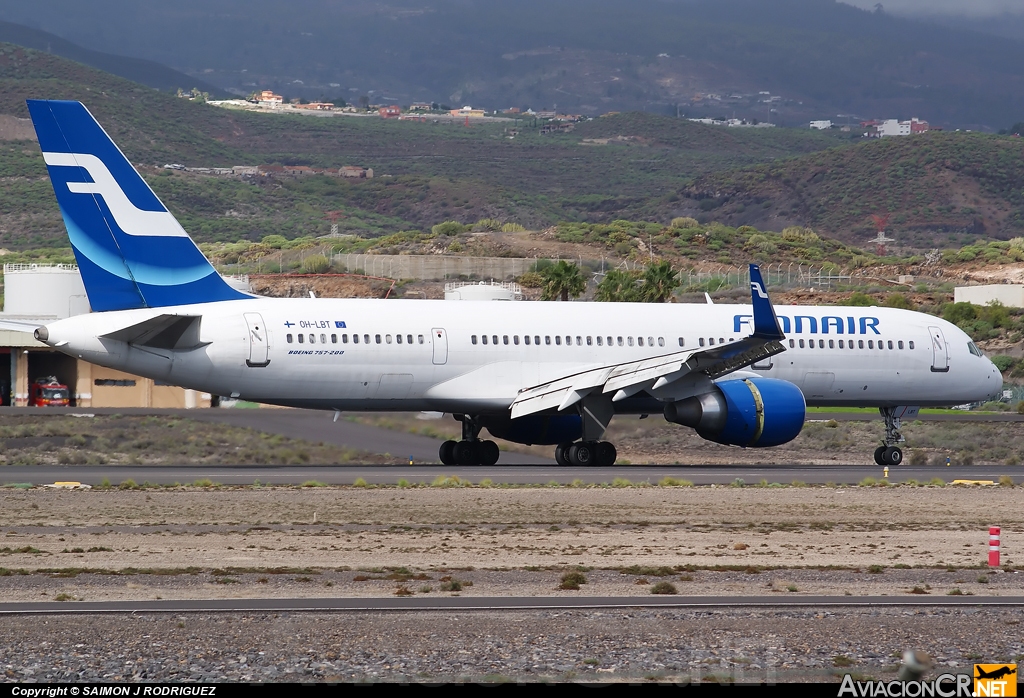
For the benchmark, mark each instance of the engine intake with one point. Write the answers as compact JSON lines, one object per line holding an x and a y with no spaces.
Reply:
{"x":755,"y":412}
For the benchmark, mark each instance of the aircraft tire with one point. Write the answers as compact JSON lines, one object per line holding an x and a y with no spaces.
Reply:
{"x":606,"y":453}
{"x":880,"y":455}
{"x":562,"y":454}
{"x":893,"y":456}
{"x":447,"y":452}
{"x":466,"y":453}
{"x":487,"y":453}
{"x":582,"y":453}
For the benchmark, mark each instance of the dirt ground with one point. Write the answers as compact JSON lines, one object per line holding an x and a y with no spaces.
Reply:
{"x":248,"y":542}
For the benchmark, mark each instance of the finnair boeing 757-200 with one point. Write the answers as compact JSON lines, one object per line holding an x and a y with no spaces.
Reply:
{"x":532,"y":373}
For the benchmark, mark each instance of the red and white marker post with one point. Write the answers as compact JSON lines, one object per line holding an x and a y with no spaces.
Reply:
{"x":993,"y":546}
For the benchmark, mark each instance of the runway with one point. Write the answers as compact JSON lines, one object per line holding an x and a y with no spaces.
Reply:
{"x":498,"y":474}
{"x":493,"y":603}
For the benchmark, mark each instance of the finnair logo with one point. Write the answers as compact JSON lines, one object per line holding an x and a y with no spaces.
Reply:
{"x":755,"y":286}
{"x":130,"y":219}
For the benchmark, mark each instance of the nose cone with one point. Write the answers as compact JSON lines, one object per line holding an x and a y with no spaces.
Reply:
{"x":993,"y":379}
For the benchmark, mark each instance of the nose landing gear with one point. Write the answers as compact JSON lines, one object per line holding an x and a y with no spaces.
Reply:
{"x":889,"y":453}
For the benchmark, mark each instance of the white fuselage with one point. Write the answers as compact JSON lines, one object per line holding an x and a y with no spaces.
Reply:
{"x":421,"y":355}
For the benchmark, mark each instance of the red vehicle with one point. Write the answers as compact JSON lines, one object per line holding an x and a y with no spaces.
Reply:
{"x":48,"y":392}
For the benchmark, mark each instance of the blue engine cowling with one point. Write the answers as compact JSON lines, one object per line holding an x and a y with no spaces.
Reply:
{"x":536,"y":428}
{"x":744,"y":412}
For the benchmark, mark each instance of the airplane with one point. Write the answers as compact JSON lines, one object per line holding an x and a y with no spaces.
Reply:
{"x":548,"y":373}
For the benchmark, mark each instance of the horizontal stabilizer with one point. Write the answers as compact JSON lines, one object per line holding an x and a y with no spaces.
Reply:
{"x":170,"y":332}
{"x":15,"y":326}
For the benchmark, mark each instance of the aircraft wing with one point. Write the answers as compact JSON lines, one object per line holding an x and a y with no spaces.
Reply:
{"x":627,"y":379}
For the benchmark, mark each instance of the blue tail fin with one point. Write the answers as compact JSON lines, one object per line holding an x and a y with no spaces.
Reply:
{"x":131,"y":251}
{"x":766,"y":323}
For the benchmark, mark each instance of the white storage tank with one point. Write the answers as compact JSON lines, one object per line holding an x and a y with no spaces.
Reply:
{"x":44,"y":290}
{"x":482,"y":291}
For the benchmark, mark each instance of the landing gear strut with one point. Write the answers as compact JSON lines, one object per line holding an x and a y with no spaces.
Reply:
{"x":471,"y":450}
{"x":889,"y":453}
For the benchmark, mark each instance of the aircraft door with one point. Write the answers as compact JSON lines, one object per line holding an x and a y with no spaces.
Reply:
{"x":258,"y":352}
{"x":440,"y":342}
{"x":940,"y":354}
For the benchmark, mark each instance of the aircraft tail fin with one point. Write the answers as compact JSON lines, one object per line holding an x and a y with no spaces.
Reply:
{"x":130,"y":249}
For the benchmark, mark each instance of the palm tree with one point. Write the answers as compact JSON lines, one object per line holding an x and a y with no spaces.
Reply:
{"x":562,"y":280}
{"x":659,"y":282}
{"x":619,"y":286}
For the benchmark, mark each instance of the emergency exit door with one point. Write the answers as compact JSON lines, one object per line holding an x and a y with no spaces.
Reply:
{"x":440,"y":341}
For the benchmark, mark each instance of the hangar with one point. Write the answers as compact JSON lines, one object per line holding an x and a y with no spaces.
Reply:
{"x":43,"y":293}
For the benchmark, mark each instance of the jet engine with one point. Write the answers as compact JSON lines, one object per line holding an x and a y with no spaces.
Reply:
{"x":536,"y":428}
{"x":744,"y":412}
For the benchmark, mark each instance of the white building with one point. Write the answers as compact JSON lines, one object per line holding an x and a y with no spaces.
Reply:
{"x":821,"y":125}
{"x":1010,"y":295}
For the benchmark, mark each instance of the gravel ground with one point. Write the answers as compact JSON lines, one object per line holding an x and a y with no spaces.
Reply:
{"x":664,"y":645}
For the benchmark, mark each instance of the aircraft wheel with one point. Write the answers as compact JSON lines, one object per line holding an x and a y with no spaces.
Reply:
{"x":582,"y":453}
{"x":447,"y":452}
{"x":562,"y":454}
{"x":880,"y":455}
{"x":466,"y":453}
{"x":893,"y":456}
{"x":487,"y":453}
{"x":606,"y":453}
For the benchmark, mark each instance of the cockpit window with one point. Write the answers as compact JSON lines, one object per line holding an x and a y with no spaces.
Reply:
{"x":973,"y":349}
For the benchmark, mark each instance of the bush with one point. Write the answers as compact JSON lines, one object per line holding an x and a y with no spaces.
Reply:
{"x":664,"y":588}
{"x":685,"y":222}
{"x":315,"y":264}
{"x":572,"y":580}
{"x":448,"y":228}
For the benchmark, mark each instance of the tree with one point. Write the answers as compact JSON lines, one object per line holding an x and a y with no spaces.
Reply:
{"x":1017,"y":129}
{"x":562,"y":280}
{"x":619,"y":286}
{"x":659,"y":282}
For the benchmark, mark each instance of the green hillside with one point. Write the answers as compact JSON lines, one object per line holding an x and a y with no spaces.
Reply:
{"x":438,"y":171}
{"x":937,"y":189}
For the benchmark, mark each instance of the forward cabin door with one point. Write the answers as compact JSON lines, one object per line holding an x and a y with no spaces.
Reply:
{"x":940,"y":355}
{"x":258,"y":353}
{"x":440,"y":341}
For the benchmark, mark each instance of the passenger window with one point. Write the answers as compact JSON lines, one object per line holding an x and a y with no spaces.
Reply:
{"x":536,"y":339}
{"x":840,"y":344}
{"x":526,"y":339}
{"x":899,"y":344}
{"x":579,"y":341}
{"x":472,"y":340}
{"x":871,"y":344}
{"x":821,"y":343}
{"x":619,"y":341}
{"x":515,"y":340}
{"x":661,"y":341}
{"x":344,"y":338}
{"x":890,"y":344}
{"x":600,"y":341}
{"x":484,"y":338}
{"x":831,"y":344}
{"x":376,"y":337}
{"x":590,"y":341}
{"x":568,"y":341}
{"x":609,"y":340}
{"x":547,"y":339}
{"x":366,"y":339}
{"x":640,"y":341}
{"x":910,"y":344}
{"x":860,"y":343}
{"x":629,"y":341}
{"x":711,"y":341}
{"x":288,"y":338}
{"x":494,"y":339}
{"x":398,"y":339}
{"x":312,"y":339}
{"x":701,"y":341}
{"x":558,"y":339}
{"x":792,"y":343}
{"x":323,"y":339}
{"x":801,"y":344}
{"x":504,"y":339}
{"x":408,"y":338}
{"x":301,"y":338}
{"x":334,"y":339}
{"x":721,"y":341}
{"x":355,"y":339}
{"x":682,"y":342}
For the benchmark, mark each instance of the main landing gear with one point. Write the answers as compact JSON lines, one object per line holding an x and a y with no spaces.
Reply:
{"x":471,"y":450}
{"x":585,"y":453}
{"x":889,"y":453}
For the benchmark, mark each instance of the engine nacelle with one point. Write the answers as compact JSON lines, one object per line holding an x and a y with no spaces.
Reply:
{"x":744,"y":412}
{"x":536,"y":428}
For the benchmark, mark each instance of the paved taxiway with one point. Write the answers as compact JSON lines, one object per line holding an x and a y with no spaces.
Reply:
{"x":499,"y":474}
{"x":493,"y":603}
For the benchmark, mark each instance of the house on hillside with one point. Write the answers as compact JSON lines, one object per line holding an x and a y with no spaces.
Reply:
{"x":420,"y":106}
{"x":267,"y":98}
{"x":352,"y":172}
{"x":468,"y":111}
{"x":821,"y":125}
{"x":317,"y":106}
{"x":894,"y":127}
{"x":390,"y":111}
